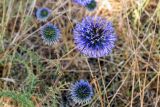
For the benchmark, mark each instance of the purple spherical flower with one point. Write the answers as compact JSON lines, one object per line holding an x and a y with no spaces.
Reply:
{"x":83,"y":2}
{"x":42,"y":14}
{"x":50,"y":34}
{"x":81,"y":92}
{"x":94,"y":37}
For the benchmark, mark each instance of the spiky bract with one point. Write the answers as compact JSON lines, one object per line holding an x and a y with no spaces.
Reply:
{"x":81,"y":92}
{"x":42,"y":14}
{"x":50,"y":34}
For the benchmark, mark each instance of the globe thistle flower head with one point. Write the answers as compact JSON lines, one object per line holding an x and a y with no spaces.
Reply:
{"x":50,"y":34}
{"x":94,"y":37}
{"x":42,"y":14}
{"x":83,"y":2}
{"x":92,"y":5}
{"x":81,"y":92}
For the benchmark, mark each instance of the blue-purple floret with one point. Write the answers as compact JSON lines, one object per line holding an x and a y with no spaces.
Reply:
{"x":81,"y":92}
{"x":95,"y":37}
{"x":82,"y":2}
{"x":43,"y":14}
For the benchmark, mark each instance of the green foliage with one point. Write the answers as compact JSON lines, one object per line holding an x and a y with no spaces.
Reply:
{"x":21,"y":98}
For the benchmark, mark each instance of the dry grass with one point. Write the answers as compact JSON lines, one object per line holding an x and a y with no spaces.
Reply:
{"x":41,"y":74}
